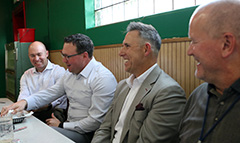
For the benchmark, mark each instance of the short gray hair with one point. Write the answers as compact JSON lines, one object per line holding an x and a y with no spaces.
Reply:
{"x":147,"y":32}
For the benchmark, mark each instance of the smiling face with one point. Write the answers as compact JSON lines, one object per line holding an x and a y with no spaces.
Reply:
{"x":133,"y":53}
{"x":76,"y":63}
{"x":205,"y":50}
{"x":38,"y":55}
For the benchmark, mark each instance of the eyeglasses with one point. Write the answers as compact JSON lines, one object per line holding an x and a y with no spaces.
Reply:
{"x":69,"y":56}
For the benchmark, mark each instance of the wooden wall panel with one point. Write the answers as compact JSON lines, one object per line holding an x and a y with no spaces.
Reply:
{"x":55,"y":57}
{"x":173,"y":59}
{"x":109,"y":57}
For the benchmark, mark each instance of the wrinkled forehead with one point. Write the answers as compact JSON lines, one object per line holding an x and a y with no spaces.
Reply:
{"x":199,"y":19}
{"x":201,"y":12}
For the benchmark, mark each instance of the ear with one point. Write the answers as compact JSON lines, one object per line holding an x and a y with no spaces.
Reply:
{"x":85,"y":54}
{"x":229,"y":44}
{"x":147,"y":49}
{"x":47,"y":54}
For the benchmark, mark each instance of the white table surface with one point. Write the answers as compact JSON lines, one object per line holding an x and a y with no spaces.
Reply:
{"x":36,"y":131}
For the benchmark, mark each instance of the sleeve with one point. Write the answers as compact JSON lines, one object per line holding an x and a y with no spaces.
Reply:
{"x":103,"y":134}
{"x":58,"y":73}
{"x":103,"y":89}
{"x":24,"y":90}
{"x":61,"y":102}
{"x":46,"y":96}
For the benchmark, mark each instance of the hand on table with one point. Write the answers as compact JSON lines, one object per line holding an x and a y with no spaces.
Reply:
{"x":53,"y":121}
{"x":16,"y":107}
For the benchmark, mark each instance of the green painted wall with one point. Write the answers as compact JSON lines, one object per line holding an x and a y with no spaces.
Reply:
{"x":55,"y":19}
{"x":6,"y":36}
{"x":37,"y":17}
{"x":65,"y":18}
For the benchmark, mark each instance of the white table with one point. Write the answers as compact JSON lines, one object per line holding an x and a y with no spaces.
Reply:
{"x":36,"y":131}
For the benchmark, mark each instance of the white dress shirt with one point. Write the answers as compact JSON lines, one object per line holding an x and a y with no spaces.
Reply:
{"x":134,"y":85}
{"x":90,"y":94}
{"x":33,"y":81}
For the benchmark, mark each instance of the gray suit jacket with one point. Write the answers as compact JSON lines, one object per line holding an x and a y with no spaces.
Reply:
{"x":156,"y":121}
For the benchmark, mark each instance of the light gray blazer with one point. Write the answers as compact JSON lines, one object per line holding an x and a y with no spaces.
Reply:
{"x":156,"y":121}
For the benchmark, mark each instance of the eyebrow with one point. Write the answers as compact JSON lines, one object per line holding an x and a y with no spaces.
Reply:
{"x":63,"y":53}
{"x":126,"y":44}
{"x":35,"y":54}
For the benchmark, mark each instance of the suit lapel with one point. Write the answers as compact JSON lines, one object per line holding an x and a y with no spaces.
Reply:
{"x":120,"y":101}
{"x":145,"y":88}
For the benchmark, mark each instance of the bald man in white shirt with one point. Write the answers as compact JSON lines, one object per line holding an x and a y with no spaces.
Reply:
{"x":43,"y":75}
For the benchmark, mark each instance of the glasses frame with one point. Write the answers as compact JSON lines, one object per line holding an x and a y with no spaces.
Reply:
{"x":69,"y":56}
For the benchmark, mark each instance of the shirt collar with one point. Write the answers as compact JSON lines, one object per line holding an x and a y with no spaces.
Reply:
{"x":235,"y":87}
{"x":88,"y":68}
{"x":212,"y":90}
{"x":49,"y":66}
{"x":141,"y":78}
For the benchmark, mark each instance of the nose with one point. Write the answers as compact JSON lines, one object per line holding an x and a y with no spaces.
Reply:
{"x":36,"y":58}
{"x":64,"y":60}
{"x":121,"y":52}
{"x":190,"y":50}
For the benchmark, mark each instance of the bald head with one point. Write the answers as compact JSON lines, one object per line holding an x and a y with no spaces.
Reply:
{"x":38,"y":55}
{"x":215,"y":42}
{"x":37,"y":44}
{"x":219,"y":17}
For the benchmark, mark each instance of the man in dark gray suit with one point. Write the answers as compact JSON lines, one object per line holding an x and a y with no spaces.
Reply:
{"x":148,"y":106}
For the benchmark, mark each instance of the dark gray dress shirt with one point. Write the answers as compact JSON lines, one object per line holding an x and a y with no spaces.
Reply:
{"x":228,"y":129}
